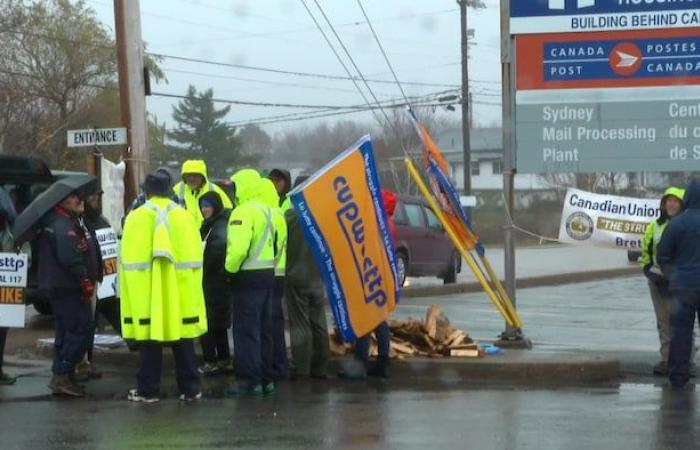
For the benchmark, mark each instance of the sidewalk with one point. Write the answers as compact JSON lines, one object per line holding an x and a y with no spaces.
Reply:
{"x":602,"y":331}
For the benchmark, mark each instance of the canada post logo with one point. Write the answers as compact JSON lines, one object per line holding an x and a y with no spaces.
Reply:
{"x":578,"y":4}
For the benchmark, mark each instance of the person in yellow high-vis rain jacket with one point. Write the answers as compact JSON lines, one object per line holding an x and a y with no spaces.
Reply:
{"x":194,"y":184}
{"x":279,"y":345}
{"x":160,"y":286}
{"x":250,"y":263}
{"x":661,"y":297}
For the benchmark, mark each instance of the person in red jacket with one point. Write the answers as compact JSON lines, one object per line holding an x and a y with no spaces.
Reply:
{"x":362,"y":366}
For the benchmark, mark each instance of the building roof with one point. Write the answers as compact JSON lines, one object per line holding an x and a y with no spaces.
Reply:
{"x":482,"y":140}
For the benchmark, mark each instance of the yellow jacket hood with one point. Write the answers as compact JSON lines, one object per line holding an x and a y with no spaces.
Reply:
{"x":248,"y":186}
{"x":196,"y":166}
{"x":269,"y":194}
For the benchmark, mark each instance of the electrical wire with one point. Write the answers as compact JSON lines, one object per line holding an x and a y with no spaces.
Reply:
{"x":381,"y":47}
{"x":342,"y":63}
{"x":292,"y":72}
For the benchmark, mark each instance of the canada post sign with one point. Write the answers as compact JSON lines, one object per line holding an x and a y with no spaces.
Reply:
{"x":609,"y":59}
{"x":551,"y":16}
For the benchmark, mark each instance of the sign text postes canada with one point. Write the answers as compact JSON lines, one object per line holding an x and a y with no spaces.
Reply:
{"x":99,"y":136}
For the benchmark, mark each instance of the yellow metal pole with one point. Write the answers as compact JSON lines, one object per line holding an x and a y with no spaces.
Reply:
{"x":501,"y":290}
{"x":459,"y":245}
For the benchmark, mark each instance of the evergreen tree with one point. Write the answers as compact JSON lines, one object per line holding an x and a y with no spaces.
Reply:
{"x":202,"y":134}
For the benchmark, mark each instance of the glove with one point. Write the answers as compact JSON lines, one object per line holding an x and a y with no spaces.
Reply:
{"x":88,"y":288}
{"x":659,"y":280}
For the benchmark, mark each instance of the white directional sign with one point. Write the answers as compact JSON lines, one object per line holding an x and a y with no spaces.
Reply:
{"x":96,"y":136}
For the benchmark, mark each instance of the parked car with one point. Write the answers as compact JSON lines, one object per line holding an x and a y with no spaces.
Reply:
{"x":423,"y":248}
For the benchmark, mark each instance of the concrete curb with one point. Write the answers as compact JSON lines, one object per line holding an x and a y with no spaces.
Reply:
{"x":512,"y":366}
{"x":529,"y":282}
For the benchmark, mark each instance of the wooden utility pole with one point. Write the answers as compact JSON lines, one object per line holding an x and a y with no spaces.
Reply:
{"x":132,"y":99}
{"x":466,"y":122}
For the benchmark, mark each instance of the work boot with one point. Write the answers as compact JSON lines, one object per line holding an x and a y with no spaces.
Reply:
{"x":94,"y":372}
{"x":225,"y":366}
{"x":243,"y":390}
{"x":661,"y":369}
{"x":63,"y":385}
{"x":135,"y":396}
{"x":377,"y":369}
{"x":209,"y":370}
{"x":269,"y":388}
{"x":190,"y":397}
{"x":6,"y":380}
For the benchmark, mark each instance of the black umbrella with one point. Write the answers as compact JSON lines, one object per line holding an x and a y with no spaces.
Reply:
{"x":26,"y":223}
{"x":7,"y":208}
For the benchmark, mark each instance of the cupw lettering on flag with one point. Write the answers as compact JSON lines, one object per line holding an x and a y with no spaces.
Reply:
{"x":342,"y":214}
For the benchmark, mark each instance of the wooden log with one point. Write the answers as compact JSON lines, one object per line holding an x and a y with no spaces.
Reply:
{"x":466,"y":353}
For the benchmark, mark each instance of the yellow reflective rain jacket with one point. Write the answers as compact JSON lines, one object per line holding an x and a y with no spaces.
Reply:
{"x":655,"y":230}
{"x":160,"y":274}
{"x":190,"y":198}
{"x":271,"y":199}
{"x":250,"y":254}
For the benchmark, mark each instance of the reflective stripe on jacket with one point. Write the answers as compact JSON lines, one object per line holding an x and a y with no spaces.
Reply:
{"x":160,"y":274}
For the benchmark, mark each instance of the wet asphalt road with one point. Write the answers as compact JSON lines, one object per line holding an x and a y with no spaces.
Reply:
{"x":366,"y":415}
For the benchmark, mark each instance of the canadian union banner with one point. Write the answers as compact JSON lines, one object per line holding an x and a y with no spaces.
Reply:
{"x":606,"y":220}
{"x":341,"y":211}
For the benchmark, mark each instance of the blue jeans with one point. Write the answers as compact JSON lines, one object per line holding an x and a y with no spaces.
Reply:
{"x":74,"y":328}
{"x":383,"y":342}
{"x":252,"y":334}
{"x":686,"y":306}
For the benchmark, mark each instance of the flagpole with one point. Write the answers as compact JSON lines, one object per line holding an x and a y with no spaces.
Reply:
{"x":512,"y":337}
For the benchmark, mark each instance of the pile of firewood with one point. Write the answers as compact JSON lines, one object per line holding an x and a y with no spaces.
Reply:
{"x":432,"y":337}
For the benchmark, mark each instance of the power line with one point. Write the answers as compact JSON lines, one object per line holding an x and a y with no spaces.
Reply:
{"x":291,"y":72}
{"x":349,"y":56}
{"x":257,"y":80}
{"x":386,"y":58}
{"x":432,"y":97}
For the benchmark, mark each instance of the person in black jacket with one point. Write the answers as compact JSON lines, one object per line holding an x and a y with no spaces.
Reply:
{"x":105,"y":307}
{"x":215,"y":346}
{"x":678,"y":254}
{"x":70,"y":265}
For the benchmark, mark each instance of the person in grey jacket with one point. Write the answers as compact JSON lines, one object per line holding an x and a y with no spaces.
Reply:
{"x":304,"y":293}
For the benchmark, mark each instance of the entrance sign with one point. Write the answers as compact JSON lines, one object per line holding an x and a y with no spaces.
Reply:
{"x":96,"y":136}
{"x":13,"y":280}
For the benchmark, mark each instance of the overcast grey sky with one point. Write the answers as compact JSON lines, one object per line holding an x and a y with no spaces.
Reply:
{"x":421,"y":38}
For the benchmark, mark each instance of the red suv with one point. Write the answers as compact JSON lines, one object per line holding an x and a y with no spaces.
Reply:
{"x":423,"y":248}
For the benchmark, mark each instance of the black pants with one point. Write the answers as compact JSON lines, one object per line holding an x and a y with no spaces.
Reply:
{"x":685,"y":308}
{"x":252,"y":334}
{"x":215,"y":345}
{"x":3,"y":338}
{"x":279,"y":343}
{"x":151,"y":354}
{"x":74,"y":326}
